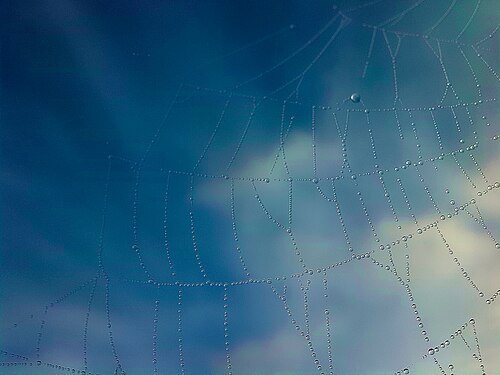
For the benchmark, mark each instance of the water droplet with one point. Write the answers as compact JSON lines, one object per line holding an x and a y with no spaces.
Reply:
{"x":355,"y":97}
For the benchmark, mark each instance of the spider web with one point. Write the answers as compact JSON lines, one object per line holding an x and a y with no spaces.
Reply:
{"x":355,"y":236}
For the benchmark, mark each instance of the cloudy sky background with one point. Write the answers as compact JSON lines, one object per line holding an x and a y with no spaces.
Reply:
{"x":84,"y":80}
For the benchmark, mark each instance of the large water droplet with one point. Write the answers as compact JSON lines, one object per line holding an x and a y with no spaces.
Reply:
{"x":355,"y":97}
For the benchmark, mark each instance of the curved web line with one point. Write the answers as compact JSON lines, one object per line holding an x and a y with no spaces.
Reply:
{"x":442,"y":18}
{"x":292,"y":55}
{"x":469,"y":21}
{"x":398,"y":17}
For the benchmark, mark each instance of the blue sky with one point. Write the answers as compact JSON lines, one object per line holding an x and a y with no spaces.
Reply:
{"x":151,"y":148}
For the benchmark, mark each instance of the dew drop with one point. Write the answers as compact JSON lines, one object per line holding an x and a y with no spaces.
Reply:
{"x":355,"y":97}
